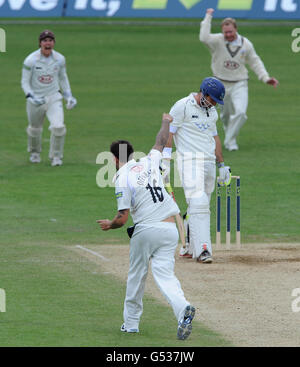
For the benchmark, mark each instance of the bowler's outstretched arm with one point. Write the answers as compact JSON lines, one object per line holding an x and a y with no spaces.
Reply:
{"x":119,"y":220}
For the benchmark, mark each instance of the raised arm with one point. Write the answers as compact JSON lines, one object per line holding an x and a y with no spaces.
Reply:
{"x":163,"y":134}
{"x":205,"y":34}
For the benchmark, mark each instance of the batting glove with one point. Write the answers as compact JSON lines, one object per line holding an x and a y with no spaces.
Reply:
{"x":224,"y":178}
{"x":38,"y":101}
{"x":71,"y":102}
{"x":165,"y":169}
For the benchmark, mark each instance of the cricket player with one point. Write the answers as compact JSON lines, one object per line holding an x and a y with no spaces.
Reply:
{"x":139,"y":190}
{"x":230,"y":53}
{"x":45,"y":83}
{"x":198,"y":148}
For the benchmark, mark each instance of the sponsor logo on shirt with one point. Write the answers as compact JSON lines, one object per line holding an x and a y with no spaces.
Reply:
{"x":231,"y":65}
{"x":46,"y":79}
{"x":119,"y":194}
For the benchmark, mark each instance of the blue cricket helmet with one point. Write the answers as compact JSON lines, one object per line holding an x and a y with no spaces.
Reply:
{"x":214,"y":88}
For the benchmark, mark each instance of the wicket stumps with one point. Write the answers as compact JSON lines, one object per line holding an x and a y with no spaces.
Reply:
{"x":228,"y":213}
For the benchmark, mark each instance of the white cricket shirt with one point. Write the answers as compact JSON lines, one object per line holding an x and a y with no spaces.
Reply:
{"x":139,"y":187}
{"x":229,"y":59}
{"x":194,"y":128}
{"x":45,"y":76}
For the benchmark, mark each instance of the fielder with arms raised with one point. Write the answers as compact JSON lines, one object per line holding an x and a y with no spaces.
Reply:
{"x":198,"y":148}
{"x":43,"y":77}
{"x":139,"y":190}
{"x":230,"y":53}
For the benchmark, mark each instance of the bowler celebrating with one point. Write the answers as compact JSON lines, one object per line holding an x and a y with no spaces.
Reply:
{"x":140,"y":191}
{"x":45,"y":83}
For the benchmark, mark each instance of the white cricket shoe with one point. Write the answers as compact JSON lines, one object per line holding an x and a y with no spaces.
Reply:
{"x":184,"y":252}
{"x":56,"y":162}
{"x":232,"y":147}
{"x":123,"y":328}
{"x":35,"y":158}
{"x":185,"y":325}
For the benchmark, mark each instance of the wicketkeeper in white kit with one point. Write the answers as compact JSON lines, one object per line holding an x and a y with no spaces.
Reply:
{"x":140,"y":190}
{"x":230,"y":53}
{"x":198,"y":149}
{"x":45,"y":83}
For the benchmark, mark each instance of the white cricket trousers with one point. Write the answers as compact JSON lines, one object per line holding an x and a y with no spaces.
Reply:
{"x":199,"y":213}
{"x":53,"y":110}
{"x":198,"y":200}
{"x":234,"y":111}
{"x":158,"y":242}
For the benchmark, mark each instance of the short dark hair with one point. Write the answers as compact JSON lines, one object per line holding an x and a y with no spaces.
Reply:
{"x":122,"y":150}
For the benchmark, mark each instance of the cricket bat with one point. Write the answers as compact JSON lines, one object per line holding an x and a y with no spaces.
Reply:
{"x":178,"y":218}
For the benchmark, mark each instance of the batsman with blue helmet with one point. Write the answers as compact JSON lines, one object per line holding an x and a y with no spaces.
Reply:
{"x":198,"y":149}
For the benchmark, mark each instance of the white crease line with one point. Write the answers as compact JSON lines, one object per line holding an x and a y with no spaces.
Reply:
{"x":92,"y":252}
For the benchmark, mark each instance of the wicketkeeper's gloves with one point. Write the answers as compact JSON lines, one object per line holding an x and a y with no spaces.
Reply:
{"x":38,"y":101}
{"x":71,"y":102}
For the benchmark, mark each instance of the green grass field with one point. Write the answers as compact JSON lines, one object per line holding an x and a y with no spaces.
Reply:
{"x":124,"y":77}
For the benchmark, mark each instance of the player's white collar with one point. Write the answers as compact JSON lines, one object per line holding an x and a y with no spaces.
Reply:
{"x":192,"y":98}
{"x":52,"y":55}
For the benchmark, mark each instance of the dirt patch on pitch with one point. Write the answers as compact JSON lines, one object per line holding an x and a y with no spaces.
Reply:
{"x":245,"y":294}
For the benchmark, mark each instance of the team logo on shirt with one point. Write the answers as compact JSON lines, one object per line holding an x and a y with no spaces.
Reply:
{"x":137,"y":169}
{"x":231,"y":65}
{"x":119,"y":194}
{"x":202,"y":126}
{"x":46,"y":79}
